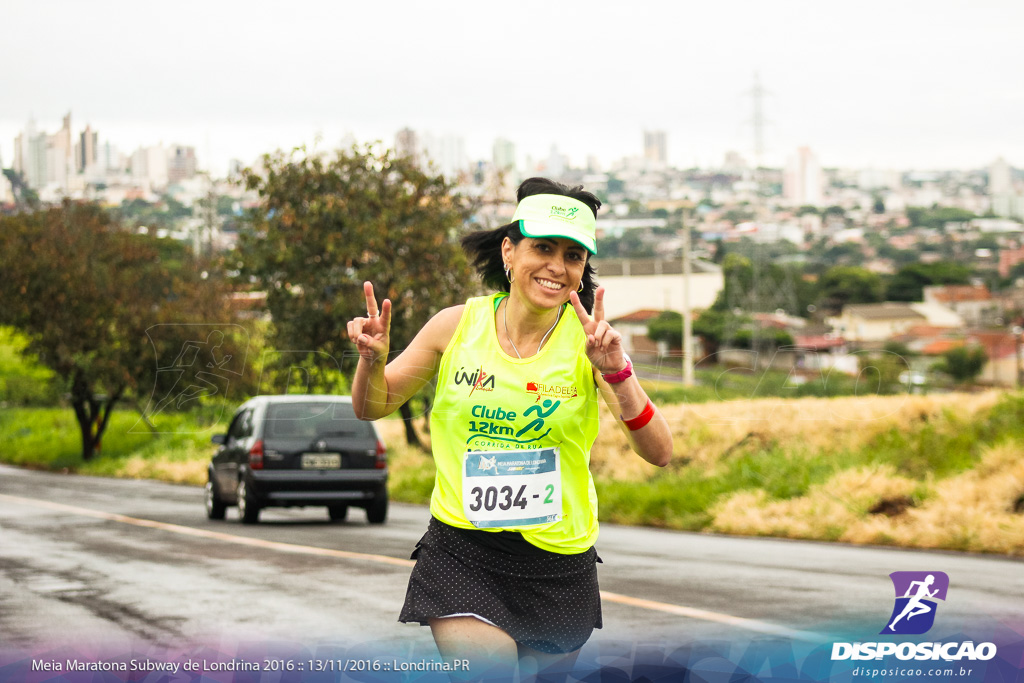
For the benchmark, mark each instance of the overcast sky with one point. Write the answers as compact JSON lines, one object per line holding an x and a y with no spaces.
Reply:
{"x":899,"y":83}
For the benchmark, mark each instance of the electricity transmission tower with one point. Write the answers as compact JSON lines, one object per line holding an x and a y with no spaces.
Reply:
{"x":765,"y":288}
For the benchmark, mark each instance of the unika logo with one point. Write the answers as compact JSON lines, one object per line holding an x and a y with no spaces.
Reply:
{"x":564,"y":214}
{"x":916,"y":593}
{"x":559,"y":392}
{"x":478,"y":380}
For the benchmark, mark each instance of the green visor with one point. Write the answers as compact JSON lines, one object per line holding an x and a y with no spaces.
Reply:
{"x":553,"y":215}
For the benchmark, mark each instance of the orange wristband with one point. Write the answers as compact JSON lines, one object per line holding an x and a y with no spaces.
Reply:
{"x":642,"y":419}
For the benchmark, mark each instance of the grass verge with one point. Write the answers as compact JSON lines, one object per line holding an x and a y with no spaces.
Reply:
{"x":943,"y":471}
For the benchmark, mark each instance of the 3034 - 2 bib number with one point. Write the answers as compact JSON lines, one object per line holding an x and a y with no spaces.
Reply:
{"x":491,"y":497}
{"x":512,"y":488}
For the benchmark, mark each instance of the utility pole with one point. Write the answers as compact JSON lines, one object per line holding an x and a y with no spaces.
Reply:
{"x":1017,"y":330}
{"x":687,"y":322}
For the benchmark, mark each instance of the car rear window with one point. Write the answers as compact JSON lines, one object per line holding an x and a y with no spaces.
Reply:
{"x":315,"y":419}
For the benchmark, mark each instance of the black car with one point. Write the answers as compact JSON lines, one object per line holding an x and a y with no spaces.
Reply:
{"x":285,"y":451}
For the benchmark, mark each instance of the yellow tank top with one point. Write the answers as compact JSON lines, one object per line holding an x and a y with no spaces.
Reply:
{"x":512,"y":436}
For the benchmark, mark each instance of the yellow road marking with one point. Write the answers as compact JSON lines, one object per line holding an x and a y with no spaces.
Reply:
{"x":705,"y":615}
{"x":678,"y":610}
{"x":215,"y":535}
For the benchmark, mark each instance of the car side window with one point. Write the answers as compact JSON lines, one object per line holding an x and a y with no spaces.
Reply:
{"x":237,"y":429}
{"x":247,"y":424}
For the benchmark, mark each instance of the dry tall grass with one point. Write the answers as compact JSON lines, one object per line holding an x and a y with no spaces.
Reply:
{"x":706,"y":432}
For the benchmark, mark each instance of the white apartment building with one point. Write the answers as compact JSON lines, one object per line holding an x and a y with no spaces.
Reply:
{"x":999,"y":179}
{"x":447,"y":153}
{"x":803,"y":181}
{"x":504,"y":154}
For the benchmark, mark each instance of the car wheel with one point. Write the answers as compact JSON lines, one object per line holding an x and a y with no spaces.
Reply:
{"x":215,"y":509}
{"x":248,"y":510}
{"x":377,"y":510}
{"x":337,"y":513}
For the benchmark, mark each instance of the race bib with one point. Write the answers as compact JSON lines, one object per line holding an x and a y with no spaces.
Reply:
{"x":512,"y":488}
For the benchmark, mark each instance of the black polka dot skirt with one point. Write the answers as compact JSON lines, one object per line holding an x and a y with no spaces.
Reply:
{"x":548,"y":602}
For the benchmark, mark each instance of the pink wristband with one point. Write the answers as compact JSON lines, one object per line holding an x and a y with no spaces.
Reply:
{"x":621,"y":375}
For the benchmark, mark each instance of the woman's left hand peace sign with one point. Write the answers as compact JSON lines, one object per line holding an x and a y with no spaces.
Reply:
{"x":604,"y":344}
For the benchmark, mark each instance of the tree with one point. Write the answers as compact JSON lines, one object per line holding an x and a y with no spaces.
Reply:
{"x":759,"y":285}
{"x":711,"y":327}
{"x":1017,"y":271}
{"x":667,"y":327}
{"x":963,"y":363}
{"x":324,"y":226}
{"x":937,"y":217}
{"x":25,"y":198}
{"x":846,"y":253}
{"x":909,"y":282}
{"x":87,"y":295}
{"x":841,"y":285}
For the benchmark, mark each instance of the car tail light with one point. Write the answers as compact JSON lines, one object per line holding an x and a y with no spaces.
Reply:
{"x":382,"y":460}
{"x":256,"y":456}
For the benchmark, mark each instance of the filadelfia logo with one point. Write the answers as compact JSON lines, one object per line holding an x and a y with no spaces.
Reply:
{"x":552,"y":390}
{"x":914,"y":613}
{"x":478,"y":380}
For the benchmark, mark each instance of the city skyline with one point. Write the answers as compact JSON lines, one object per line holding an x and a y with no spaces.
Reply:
{"x":912,"y":85}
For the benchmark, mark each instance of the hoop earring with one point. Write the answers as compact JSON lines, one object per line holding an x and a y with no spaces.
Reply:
{"x":580,"y":288}
{"x":510,"y":275}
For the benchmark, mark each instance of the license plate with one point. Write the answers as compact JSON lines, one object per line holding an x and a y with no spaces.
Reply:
{"x":321,"y":461}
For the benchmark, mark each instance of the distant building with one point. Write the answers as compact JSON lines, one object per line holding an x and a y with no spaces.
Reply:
{"x":149,"y":166}
{"x":878,"y":179}
{"x":656,"y":284}
{"x":6,"y":189}
{"x":1008,"y":258}
{"x":802,"y":182}
{"x":734,"y":164}
{"x":235,"y":167}
{"x":407,"y":144}
{"x":999,"y":179}
{"x":181,"y":164}
{"x":880,"y":322}
{"x":447,"y":153}
{"x":504,"y":154}
{"x":109,"y":159}
{"x":59,"y":157}
{"x":30,"y":155}
{"x":633,"y":328}
{"x":656,"y":146}
{"x":974,"y":303}
{"x":86,"y":151}
{"x":555,"y":164}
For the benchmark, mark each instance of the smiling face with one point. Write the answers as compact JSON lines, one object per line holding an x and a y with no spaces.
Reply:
{"x":546,"y":269}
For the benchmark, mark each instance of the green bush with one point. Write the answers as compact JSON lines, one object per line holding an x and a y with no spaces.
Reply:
{"x":23,"y":380}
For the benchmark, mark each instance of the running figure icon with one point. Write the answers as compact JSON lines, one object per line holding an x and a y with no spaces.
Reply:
{"x":915,"y":606}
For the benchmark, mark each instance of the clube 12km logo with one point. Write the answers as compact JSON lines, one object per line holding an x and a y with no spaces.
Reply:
{"x":913,"y":613}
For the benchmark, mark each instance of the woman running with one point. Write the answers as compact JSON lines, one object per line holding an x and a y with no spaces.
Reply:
{"x":507,"y":569}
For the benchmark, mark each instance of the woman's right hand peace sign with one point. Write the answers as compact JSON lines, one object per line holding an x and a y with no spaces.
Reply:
{"x":371,"y":334}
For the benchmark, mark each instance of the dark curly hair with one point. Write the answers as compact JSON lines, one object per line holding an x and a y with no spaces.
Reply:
{"x":484,"y":246}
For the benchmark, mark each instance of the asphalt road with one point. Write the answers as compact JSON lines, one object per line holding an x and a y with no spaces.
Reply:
{"x":92,"y":561}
